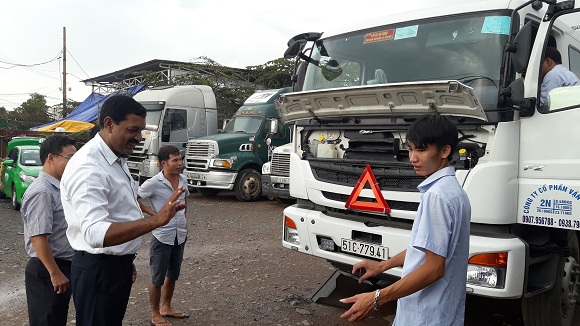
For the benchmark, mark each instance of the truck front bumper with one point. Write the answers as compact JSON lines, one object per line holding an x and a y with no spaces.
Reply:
{"x":312,"y":226}
{"x":212,"y":179}
{"x":276,"y":186}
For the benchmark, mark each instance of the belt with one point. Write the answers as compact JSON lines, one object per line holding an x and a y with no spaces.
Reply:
{"x":85,"y":254}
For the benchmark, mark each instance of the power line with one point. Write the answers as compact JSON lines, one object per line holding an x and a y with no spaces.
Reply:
{"x":13,"y":64}
{"x":75,"y":60}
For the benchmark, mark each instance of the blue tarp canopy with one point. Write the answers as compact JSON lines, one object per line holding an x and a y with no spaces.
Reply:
{"x":88,"y":110}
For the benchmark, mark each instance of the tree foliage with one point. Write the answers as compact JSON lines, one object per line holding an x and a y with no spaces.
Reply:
{"x":31,"y":113}
{"x":274,"y":74}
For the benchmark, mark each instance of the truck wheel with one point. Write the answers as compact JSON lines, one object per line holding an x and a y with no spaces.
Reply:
{"x":208,"y":192}
{"x":285,"y":201}
{"x":556,"y":306}
{"x":248,"y":185}
{"x":15,"y":204}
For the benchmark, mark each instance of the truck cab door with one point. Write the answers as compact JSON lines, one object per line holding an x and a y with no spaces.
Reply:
{"x":174,"y":128}
{"x":549,"y":158}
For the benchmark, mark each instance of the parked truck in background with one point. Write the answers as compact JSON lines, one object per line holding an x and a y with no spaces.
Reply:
{"x":233,"y":160}
{"x":276,"y":175}
{"x":175,"y":114}
{"x":361,"y":87}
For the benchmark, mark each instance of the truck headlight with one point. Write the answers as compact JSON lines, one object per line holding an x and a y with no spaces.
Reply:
{"x":222,"y":163}
{"x":266,"y":168}
{"x":487,"y":270}
{"x":146,"y":166}
{"x":290,"y":231}
{"x":25,"y":178}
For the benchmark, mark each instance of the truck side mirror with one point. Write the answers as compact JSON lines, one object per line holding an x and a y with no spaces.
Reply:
{"x":8,"y":162}
{"x":274,"y":126}
{"x":520,"y":48}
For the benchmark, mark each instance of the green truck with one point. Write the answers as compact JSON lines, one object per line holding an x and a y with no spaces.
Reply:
{"x":232,"y":160}
{"x":20,"y":168}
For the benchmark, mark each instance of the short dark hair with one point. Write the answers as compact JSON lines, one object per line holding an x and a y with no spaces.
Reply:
{"x":166,"y":151}
{"x":553,"y":54}
{"x":54,"y":145}
{"x":118,"y":107}
{"x":436,"y":130}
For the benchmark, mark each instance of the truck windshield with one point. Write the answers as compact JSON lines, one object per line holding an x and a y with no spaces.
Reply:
{"x":30,"y":157}
{"x":467,"y":48}
{"x":154,"y":111}
{"x":244,"y":124}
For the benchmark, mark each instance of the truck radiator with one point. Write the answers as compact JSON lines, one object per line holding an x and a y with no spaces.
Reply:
{"x":394,"y":177}
{"x":280,"y":164}
{"x":393,"y":204}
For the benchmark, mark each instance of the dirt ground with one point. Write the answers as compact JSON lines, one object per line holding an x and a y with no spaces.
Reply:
{"x":235,"y":272}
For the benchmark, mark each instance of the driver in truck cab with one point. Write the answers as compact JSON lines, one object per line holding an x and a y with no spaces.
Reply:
{"x":431,"y":290}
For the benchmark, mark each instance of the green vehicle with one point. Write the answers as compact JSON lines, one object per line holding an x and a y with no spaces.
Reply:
{"x":233,"y":159}
{"x":20,"y":168}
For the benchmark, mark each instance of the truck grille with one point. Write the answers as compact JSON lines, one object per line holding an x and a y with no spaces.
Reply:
{"x":393,"y":204}
{"x":281,"y":164}
{"x":139,"y":148}
{"x":394,"y":178}
{"x":199,"y":153}
{"x":202,"y":148}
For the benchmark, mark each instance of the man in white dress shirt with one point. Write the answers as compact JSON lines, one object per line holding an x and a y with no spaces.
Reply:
{"x":105,"y":223}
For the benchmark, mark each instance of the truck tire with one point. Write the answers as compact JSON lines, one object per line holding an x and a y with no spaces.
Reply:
{"x":556,"y":306}
{"x":208,"y":192}
{"x":248,"y":185}
{"x":15,"y":204}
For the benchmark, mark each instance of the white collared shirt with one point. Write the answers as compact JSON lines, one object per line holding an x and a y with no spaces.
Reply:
{"x":158,"y":190}
{"x":97,"y":190}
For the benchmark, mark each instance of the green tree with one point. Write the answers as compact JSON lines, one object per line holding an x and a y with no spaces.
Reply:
{"x":56,"y":111}
{"x":274,"y":74}
{"x":29,"y":114}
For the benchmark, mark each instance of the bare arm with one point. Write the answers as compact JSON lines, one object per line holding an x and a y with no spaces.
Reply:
{"x":119,"y":233}
{"x":367,"y":269}
{"x":59,"y":281}
{"x":430,"y":271}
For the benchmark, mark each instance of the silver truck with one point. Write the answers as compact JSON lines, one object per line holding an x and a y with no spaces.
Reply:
{"x":175,"y":114}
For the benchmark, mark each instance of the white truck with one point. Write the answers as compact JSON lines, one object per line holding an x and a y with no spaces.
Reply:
{"x":175,"y":114}
{"x":360,"y":88}
{"x":276,"y":175}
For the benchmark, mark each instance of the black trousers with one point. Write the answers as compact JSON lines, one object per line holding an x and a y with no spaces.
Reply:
{"x":101,"y":285}
{"x":45,"y":307}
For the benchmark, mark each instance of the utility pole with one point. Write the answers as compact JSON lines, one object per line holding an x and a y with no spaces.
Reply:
{"x":63,"y":69}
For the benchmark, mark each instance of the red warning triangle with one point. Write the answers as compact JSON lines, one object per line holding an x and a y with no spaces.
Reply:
{"x":381,"y":204}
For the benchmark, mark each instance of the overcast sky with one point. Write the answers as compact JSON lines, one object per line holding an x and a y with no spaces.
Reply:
{"x":107,"y":35}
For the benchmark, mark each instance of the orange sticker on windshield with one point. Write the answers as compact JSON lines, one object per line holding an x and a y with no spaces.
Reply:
{"x":380,"y":36}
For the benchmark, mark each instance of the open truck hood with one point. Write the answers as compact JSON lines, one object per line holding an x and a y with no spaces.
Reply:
{"x":398,"y":99}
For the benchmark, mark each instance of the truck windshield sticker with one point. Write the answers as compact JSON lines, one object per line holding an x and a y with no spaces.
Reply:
{"x":379,"y":206}
{"x":406,"y":32}
{"x":261,"y":97}
{"x":553,"y":206}
{"x":496,"y":25}
{"x":379,"y":36}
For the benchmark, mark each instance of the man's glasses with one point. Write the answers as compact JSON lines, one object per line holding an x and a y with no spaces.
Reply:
{"x":65,"y":156}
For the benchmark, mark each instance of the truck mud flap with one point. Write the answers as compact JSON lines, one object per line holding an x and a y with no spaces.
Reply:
{"x":338,"y":286}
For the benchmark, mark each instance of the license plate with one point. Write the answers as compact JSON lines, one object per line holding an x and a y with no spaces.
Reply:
{"x":365,"y":249}
{"x":133,"y":165}
{"x":284,"y":180}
